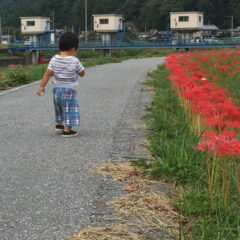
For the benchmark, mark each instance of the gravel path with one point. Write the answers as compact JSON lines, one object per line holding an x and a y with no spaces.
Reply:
{"x":46,"y":186}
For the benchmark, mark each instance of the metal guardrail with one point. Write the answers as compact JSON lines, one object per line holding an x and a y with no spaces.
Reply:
{"x":131,"y":44}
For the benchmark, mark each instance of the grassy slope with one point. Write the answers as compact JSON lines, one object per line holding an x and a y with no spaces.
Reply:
{"x":171,"y":143}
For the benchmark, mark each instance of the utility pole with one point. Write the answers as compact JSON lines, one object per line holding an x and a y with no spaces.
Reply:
{"x":86,"y":21}
{"x":53,"y":20}
{"x":0,"y":30}
{"x":14,"y":36}
{"x":231,"y":26}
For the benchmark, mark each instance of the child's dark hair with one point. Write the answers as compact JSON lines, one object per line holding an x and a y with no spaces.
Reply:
{"x":68,"y":41}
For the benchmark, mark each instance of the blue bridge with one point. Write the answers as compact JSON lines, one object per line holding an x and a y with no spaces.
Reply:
{"x":134,"y":44}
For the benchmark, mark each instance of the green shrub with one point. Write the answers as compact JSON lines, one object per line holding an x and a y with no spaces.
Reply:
{"x":16,"y":77}
{"x":87,"y":54}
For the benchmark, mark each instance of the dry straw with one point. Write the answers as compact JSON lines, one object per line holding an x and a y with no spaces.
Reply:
{"x":113,"y":232}
{"x":153,"y":209}
{"x":142,"y":211}
{"x":124,"y":172}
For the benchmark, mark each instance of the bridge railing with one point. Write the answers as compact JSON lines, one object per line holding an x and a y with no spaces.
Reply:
{"x":147,"y":43}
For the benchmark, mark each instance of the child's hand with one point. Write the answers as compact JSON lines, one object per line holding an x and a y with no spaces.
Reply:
{"x":41,"y":89}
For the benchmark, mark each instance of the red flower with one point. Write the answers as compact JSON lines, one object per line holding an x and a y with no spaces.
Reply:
{"x":12,"y":65}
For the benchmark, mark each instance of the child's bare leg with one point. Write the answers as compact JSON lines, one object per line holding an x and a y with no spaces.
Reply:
{"x":59,"y":123}
{"x":67,"y":129}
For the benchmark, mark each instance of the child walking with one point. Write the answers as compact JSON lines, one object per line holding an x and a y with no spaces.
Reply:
{"x":65,"y":68}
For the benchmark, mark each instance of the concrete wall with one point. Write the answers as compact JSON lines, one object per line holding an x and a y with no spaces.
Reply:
{"x":193,"y":22}
{"x":113,"y":23}
{"x":4,"y":62}
{"x":18,"y":57}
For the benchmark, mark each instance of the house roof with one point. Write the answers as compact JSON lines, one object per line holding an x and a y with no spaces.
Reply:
{"x":104,"y":15}
{"x":210,"y":27}
{"x":143,"y":33}
{"x":34,"y":17}
{"x":5,"y":36}
{"x":187,"y":12}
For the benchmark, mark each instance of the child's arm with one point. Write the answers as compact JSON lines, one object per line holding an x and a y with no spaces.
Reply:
{"x":82,"y":73}
{"x":47,"y":75}
{"x":80,"y":69}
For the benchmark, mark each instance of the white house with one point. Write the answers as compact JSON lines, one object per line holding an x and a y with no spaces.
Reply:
{"x":210,"y":31}
{"x":5,"y":39}
{"x":107,"y":25}
{"x":107,"y":22}
{"x":35,"y":25}
{"x":188,"y":25}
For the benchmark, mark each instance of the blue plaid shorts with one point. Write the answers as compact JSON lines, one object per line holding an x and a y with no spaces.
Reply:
{"x":66,"y":106}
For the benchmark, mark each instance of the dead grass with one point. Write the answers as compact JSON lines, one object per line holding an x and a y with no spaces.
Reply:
{"x":114,"y":232}
{"x":139,"y":212}
{"x":124,"y":172}
{"x":152,"y":208}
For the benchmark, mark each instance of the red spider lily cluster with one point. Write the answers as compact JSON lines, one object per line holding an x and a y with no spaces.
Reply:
{"x":195,"y":75}
{"x":12,"y":65}
{"x":222,"y":145}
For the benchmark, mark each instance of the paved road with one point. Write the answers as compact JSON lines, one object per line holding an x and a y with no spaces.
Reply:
{"x":45,"y":181}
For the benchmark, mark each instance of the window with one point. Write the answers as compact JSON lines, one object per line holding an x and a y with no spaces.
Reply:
{"x":200,"y":18}
{"x":104,"y":21}
{"x":183,"y":19}
{"x":30,"y":23}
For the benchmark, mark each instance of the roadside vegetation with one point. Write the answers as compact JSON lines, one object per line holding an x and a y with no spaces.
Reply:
{"x":194,"y":140}
{"x":3,"y":46}
{"x":17,"y":75}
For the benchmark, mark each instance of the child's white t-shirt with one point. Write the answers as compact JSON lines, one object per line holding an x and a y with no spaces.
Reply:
{"x":65,"y":71}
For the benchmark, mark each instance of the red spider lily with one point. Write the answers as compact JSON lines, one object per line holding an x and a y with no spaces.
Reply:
{"x":208,"y":100}
{"x":12,"y":65}
{"x":222,"y":145}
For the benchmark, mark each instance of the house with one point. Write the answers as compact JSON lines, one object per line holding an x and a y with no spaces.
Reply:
{"x":5,"y":39}
{"x":236,"y":32}
{"x":210,"y":31}
{"x":187,"y":25}
{"x":161,"y":35}
{"x":143,"y":35}
{"x":107,"y":22}
{"x":107,"y":25}
{"x":152,"y":31}
{"x":36,"y":27}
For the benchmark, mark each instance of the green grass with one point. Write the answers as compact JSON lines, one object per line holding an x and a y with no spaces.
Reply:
{"x":3,"y":46}
{"x":21,"y":75}
{"x":8,"y":57}
{"x":171,"y":143}
{"x":86,"y":54}
{"x":171,"y":139}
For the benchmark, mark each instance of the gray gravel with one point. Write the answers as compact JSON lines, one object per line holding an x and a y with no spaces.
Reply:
{"x":46,"y":188}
